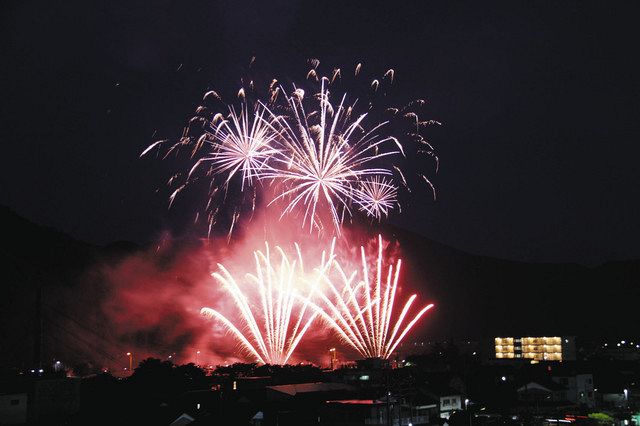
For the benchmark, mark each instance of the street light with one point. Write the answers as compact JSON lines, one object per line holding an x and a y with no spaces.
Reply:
{"x":197,"y":353}
{"x":333,"y":358}
{"x":130,"y":355}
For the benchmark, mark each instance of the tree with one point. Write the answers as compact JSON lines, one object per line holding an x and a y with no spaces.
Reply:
{"x":602,"y":418}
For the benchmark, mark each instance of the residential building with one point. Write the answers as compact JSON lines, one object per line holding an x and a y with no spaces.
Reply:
{"x":13,"y":408}
{"x":378,"y":412}
{"x":535,"y":349}
{"x":579,"y":388}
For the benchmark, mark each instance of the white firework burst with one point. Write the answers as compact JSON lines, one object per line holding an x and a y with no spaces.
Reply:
{"x":241,"y":143}
{"x":376,"y":197}
{"x":324,"y":155}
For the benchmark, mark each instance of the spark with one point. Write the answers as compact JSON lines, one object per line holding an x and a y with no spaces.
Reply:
{"x":336,"y":74}
{"x":390,"y":74}
{"x":433,"y":188}
{"x":211,"y":93}
{"x":150,"y":147}
{"x":312,"y":75}
{"x":362,"y":313}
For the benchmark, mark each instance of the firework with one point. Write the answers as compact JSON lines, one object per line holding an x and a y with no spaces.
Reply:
{"x":275,"y":324}
{"x":239,"y":143}
{"x":322,"y":154}
{"x":376,"y":197}
{"x":362,"y":313}
{"x":326,"y":154}
{"x":235,"y":148}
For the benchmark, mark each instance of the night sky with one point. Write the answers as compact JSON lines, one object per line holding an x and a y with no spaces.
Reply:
{"x":539,"y":104}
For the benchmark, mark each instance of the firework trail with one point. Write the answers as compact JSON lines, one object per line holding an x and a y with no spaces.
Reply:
{"x":274,"y":326}
{"x":362,"y":313}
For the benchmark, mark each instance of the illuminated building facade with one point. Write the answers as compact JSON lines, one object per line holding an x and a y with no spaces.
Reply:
{"x":535,"y":348}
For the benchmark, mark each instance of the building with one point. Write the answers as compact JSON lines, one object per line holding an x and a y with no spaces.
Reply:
{"x":535,"y":349}
{"x":38,"y":400}
{"x":576,"y":389}
{"x":363,"y":411}
{"x":450,"y":403}
{"x":542,"y":391}
{"x":13,"y":408}
{"x":447,"y":399}
{"x":579,"y":388}
{"x":301,"y":403}
{"x":380,"y":412}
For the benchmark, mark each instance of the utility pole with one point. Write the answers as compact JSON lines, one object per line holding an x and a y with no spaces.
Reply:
{"x":38,"y":338}
{"x":388,"y":399}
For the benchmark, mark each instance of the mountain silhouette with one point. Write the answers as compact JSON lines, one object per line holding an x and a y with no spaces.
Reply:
{"x":46,"y":301}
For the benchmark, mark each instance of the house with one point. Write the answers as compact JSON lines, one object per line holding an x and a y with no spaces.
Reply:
{"x":579,"y":388}
{"x":541,"y":391}
{"x":257,"y":419}
{"x":301,"y":403}
{"x":614,"y":398}
{"x":183,"y":420}
{"x":13,"y":408}
{"x":425,"y":409}
{"x":446,"y":398}
{"x":55,"y":398}
{"x":378,"y":412}
{"x":306,"y":390}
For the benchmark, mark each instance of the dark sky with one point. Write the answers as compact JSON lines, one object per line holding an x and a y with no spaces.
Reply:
{"x":540,"y":105}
